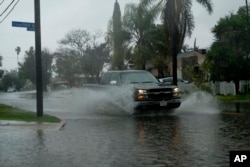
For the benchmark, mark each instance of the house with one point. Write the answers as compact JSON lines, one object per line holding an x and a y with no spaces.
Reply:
{"x":185,"y":61}
{"x":58,"y":83}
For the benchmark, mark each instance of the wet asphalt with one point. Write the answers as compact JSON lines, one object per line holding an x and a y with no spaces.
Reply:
{"x":200,"y":133}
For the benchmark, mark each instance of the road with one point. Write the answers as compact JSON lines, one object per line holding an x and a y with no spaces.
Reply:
{"x":101,"y":134}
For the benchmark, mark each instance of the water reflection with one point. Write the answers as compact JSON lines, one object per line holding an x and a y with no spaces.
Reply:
{"x":198,"y":139}
{"x":159,"y":139}
{"x":161,"y":129}
{"x":180,"y":140}
{"x":40,"y":139}
{"x":234,"y":107}
{"x":236,"y":126}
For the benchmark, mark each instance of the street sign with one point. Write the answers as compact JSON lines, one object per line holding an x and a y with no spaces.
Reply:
{"x":30,"y":28}
{"x":27,"y":25}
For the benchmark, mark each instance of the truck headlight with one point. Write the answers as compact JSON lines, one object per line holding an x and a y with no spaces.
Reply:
{"x":142,"y":91}
{"x":176,"y":91}
{"x":142,"y":94}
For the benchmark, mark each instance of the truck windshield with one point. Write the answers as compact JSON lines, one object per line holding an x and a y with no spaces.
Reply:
{"x":137,"y":77}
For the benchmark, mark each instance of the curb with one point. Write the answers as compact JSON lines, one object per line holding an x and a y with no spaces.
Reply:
{"x":23,"y":123}
{"x":62,"y":124}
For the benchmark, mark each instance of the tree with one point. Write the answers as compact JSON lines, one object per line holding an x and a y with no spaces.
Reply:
{"x":178,"y":20}
{"x":78,"y":40}
{"x":8,"y":81}
{"x":11,"y":79}
{"x":138,"y":22}
{"x":67,"y":64}
{"x":1,"y":59}
{"x":228,"y":58}
{"x":118,"y":52}
{"x":47,"y":59}
{"x":18,"y":50}
{"x":94,"y":60}
{"x":27,"y":69}
{"x":78,"y":54}
{"x":1,"y":71}
{"x":160,"y":48}
{"x":69,"y":57}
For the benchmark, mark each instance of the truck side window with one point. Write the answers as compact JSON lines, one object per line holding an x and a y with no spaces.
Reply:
{"x":115,"y":77}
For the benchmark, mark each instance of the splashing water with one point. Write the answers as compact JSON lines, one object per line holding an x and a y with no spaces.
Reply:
{"x":112,"y":101}
{"x":199,"y":102}
{"x":116,"y":101}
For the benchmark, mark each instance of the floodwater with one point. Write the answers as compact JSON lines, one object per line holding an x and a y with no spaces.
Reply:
{"x":200,"y":133}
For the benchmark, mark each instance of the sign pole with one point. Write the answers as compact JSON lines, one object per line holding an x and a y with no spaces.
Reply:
{"x":39,"y":76}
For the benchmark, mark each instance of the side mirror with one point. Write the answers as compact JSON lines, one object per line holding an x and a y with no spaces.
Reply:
{"x":113,"y":82}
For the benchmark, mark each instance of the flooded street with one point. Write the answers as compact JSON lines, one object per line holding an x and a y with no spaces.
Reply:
{"x":200,"y":133}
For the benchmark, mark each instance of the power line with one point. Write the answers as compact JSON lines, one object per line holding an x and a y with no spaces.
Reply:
{"x":2,"y":2}
{"x":11,"y":57}
{"x":10,"y":10}
{"x":7,"y":7}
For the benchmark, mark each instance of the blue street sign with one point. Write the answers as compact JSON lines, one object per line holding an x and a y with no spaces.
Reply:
{"x":29,"y":26}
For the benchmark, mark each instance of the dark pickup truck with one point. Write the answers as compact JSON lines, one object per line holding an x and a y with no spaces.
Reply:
{"x":146,"y":90}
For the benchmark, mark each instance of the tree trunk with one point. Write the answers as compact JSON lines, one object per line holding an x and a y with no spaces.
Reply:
{"x":237,"y":86}
{"x":174,"y":57}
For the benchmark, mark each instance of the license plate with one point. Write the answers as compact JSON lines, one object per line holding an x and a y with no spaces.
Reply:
{"x":163,"y":103}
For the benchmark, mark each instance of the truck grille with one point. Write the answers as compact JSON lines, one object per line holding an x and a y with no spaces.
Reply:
{"x":160,"y":94}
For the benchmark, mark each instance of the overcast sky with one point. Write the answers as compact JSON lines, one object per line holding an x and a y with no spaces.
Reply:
{"x":58,"y":17}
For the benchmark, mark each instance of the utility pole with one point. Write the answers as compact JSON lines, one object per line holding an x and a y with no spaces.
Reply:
{"x":39,"y":76}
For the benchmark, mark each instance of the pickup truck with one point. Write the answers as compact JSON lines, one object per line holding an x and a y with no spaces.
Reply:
{"x":141,"y":89}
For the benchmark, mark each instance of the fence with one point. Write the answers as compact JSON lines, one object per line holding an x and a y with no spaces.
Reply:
{"x":245,"y":86}
{"x":228,"y":88}
{"x":222,"y":88}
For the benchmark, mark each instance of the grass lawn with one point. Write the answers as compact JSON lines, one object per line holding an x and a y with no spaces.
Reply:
{"x":15,"y":114}
{"x":244,"y":97}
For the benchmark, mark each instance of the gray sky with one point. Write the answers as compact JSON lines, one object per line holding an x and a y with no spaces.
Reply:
{"x":58,"y":17}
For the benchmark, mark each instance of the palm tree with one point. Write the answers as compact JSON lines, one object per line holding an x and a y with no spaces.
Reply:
{"x":178,"y":20}
{"x":137,"y":22}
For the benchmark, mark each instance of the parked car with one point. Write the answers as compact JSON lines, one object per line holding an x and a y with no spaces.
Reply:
{"x":169,"y":80}
{"x":11,"y":89}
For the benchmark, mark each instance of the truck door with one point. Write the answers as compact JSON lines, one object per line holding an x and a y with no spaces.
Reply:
{"x":115,"y":79}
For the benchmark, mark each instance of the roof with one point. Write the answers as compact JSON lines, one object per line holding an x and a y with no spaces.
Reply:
{"x":126,"y":71}
{"x":189,"y":54}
